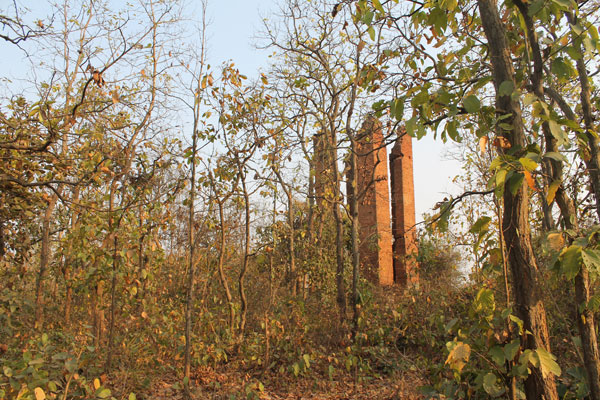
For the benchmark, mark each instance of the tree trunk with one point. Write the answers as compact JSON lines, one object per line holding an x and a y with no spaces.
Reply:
{"x":516,"y":229}
{"x":44,"y":260}
{"x":593,"y":162}
{"x":339,"y":229}
{"x":221,"y":267}
{"x":585,"y":319}
{"x":189,"y":297}
{"x":353,"y":202}
{"x":68,"y":263}
{"x":243,"y":300}
{"x":98,"y":311}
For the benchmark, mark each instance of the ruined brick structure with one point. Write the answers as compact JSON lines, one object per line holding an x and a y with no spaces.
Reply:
{"x":387,"y":246}
{"x":373,"y":205}
{"x":403,"y":211}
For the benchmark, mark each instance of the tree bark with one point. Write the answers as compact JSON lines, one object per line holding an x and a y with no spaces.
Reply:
{"x":44,"y":260}
{"x":189,"y":296}
{"x":585,"y":318}
{"x":221,"y":267}
{"x":516,"y":229}
{"x":243,"y":300}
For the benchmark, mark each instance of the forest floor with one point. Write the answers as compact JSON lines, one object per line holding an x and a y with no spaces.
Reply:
{"x":233,"y":384}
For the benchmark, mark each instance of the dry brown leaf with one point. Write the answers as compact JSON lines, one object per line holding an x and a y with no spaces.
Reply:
{"x":556,"y":241}
{"x":502,"y":142}
{"x":530,"y":181}
{"x":39,"y":393}
{"x":483,"y":141}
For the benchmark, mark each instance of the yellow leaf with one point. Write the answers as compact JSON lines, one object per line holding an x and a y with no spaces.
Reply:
{"x":39,"y":393}
{"x":552,"y":189}
{"x":556,"y":241}
{"x":483,"y":141}
{"x":96,"y":383}
{"x":459,"y":355}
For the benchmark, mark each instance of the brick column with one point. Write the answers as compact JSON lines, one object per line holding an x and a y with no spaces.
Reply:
{"x":403,"y":212}
{"x":374,"y":205}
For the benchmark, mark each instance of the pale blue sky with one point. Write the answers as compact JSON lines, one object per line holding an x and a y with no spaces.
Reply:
{"x":235,"y":22}
{"x":231,"y":36}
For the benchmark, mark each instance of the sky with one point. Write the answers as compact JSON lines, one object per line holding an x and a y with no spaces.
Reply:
{"x":232,"y":31}
{"x":235,"y":24}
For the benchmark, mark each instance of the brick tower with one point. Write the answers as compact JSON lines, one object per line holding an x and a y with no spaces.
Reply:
{"x":373,"y":205}
{"x":403,"y":212}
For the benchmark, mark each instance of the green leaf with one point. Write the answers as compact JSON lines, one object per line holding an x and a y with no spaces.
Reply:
{"x":421,"y":98}
{"x":506,"y":88}
{"x":500,"y":180}
{"x":306,"y":359}
{"x":563,"y":4}
{"x":594,"y":303}
{"x":482,"y":225}
{"x":561,"y":68}
{"x":491,"y":386}
{"x":484,"y":301}
{"x":528,"y":164}
{"x":548,"y":363}
{"x":452,"y":130}
{"x":397,"y":108}
{"x":515,"y":182}
{"x":103,"y":393}
{"x":371,"y":31}
{"x":558,"y":133}
{"x":518,"y":321}
{"x":591,"y":259}
{"x":439,"y":19}
{"x":330,"y":371}
{"x":573,"y":52}
{"x":570,"y":261}
{"x":555,"y":156}
{"x":377,"y":5}
{"x":471,"y":104}
{"x":497,"y":355}
{"x":529,"y":99}
{"x":535,"y":7}
{"x":511,"y":349}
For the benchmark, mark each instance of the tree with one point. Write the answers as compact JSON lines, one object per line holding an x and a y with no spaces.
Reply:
{"x":448,"y":101}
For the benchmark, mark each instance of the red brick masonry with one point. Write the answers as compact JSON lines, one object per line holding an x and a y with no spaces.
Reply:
{"x":387,"y":250}
{"x":373,"y":205}
{"x":403,"y":211}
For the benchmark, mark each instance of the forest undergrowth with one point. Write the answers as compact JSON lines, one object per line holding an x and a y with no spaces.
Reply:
{"x":403,"y":348}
